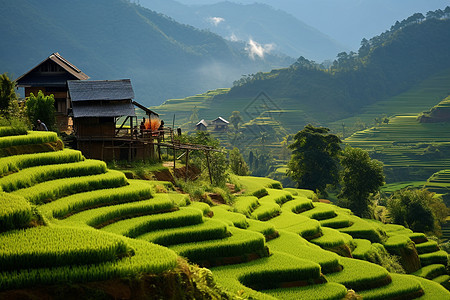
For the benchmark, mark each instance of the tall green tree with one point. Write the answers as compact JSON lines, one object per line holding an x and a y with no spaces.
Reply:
{"x":417,"y":209}
{"x":360,"y":176}
{"x":237,"y":163}
{"x":236,"y":119}
{"x":251,"y":157}
{"x":314,"y":160}
{"x":42,"y":108}
{"x":219,"y":167}
{"x":7,"y":94}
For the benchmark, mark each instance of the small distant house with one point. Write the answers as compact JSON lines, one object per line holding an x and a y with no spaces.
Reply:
{"x":220,"y":124}
{"x":51,"y":76}
{"x":202,"y":125}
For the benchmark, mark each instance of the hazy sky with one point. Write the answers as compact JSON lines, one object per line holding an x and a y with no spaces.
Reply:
{"x":347,"y":21}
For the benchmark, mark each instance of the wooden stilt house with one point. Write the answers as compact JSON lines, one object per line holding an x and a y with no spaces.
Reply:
{"x":105,"y":121}
{"x":50,"y":76}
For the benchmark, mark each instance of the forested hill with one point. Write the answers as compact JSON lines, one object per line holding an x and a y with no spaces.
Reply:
{"x":262,"y":23}
{"x":386,"y":65}
{"x":114,"y":39}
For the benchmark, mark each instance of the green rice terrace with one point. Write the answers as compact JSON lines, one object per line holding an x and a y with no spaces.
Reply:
{"x":412,"y":102}
{"x":66,"y":220}
{"x":410,"y":149}
{"x":281,"y":116}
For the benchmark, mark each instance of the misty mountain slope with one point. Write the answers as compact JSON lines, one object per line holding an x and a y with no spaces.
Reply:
{"x":347,"y":21}
{"x":393,"y":63}
{"x":389,"y":65}
{"x":272,"y":28}
{"x":116,"y":39}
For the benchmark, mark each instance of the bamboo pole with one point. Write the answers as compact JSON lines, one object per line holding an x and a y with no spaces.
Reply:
{"x":131,"y":140}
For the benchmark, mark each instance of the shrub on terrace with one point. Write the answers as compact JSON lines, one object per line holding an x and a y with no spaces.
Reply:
{"x":237,"y":163}
{"x":42,"y":108}
{"x":417,"y":209}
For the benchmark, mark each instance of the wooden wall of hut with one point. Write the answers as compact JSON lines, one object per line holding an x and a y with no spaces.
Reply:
{"x":110,"y":149}
{"x":95,"y":127}
{"x":57,"y":92}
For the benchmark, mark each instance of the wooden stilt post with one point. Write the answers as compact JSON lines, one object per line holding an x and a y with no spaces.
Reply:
{"x":209,"y":167}
{"x":187,"y":165}
{"x":103,"y":147}
{"x":131,"y":141}
{"x":174,"y":158}
{"x":113,"y":152}
{"x":159,"y":148}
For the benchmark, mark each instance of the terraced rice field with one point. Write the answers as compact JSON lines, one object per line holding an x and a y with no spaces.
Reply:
{"x":421,"y":98}
{"x":405,"y":144}
{"x":439,"y":183}
{"x":183,"y":108}
{"x":269,"y":243}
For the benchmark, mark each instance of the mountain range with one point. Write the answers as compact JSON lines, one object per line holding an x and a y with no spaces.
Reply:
{"x":346,"y":21}
{"x":274,"y":29}
{"x":413,"y":51}
{"x":115,"y":39}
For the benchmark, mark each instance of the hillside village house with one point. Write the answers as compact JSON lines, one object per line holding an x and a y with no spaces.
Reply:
{"x":51,"y":76}
{"x":96,"y":106}
{"x":220,"y":124}
{"x":202,"y":125}
{"x":102,"y":111}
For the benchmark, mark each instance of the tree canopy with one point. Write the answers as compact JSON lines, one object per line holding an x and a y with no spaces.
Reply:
{"x":360,"y":176}
{"x":417,"y":209}
{"x":236,"y":119}
{"x":237,"y":163}
{"x":314,"y":161}
{"x":7,"y":94}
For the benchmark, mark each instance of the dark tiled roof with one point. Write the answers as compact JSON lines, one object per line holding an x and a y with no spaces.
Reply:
{"x":89,"y":90}
{"x":73,"y":72}
{"x":102,"y":109}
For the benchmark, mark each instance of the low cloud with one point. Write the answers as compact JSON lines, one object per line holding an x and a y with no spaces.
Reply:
{"x":255,"y":49}
{"x":233,"y":38}
{"x":215,"y":20}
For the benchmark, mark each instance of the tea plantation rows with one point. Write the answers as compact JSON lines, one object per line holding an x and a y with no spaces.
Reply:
{"x":64,"y":218}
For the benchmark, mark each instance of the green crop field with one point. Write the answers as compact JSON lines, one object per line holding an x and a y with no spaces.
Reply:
{"x":64,"y":219}
{"x":278,"y":117}
{"x":412,"y":102}
{"x":15,"y":213}
{"x":408,"y":145}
